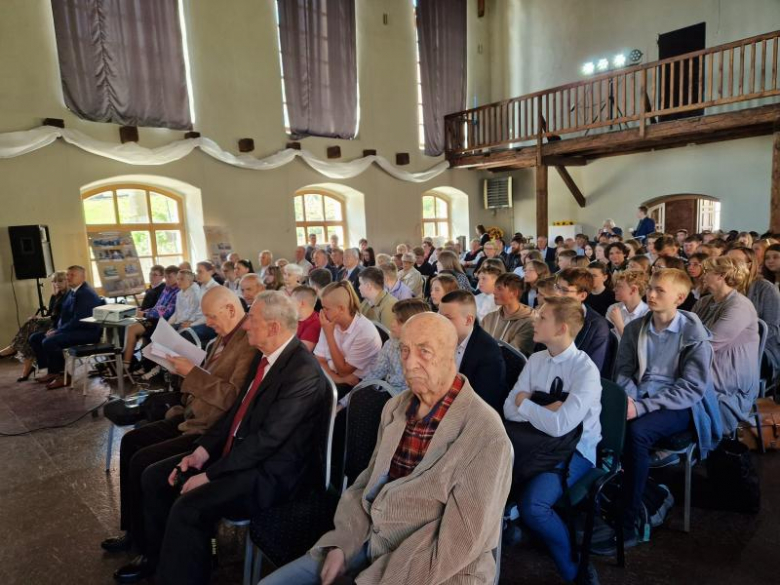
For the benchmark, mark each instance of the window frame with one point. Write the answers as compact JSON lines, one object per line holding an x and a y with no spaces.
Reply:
{"x":150,"y":226}
{"x":325,"y":224}
{"x":435,"y":220}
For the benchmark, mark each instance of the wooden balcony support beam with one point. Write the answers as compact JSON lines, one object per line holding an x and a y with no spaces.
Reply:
{"x":569,"y":182}
{"x":541,"y":200}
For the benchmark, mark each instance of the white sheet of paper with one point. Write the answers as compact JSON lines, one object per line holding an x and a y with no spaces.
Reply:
{"x":166,"y":339}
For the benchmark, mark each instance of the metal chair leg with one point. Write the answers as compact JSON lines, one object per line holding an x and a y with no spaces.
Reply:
{"x":688,"y":480}
{"x":257,"y":566}
{"x":249,"y":550}
{"x":110,"y":446}
{"x":759,"y":434}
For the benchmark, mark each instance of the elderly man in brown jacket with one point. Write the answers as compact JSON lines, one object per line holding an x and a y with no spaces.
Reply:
{"x":208,"y":391}
{"x":428,"y":508}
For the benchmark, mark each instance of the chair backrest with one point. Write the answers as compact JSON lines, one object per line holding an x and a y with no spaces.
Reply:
{"x":515,"y":362}
{"x":612,"y":351}
{"x":384,"y":332}
{"x":763,"y":332}
{"x":332,"y":400}
{"x":614,"y":404}
{"x":364,"y":415}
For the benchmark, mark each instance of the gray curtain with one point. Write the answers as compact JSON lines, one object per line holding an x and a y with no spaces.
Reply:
{"x":317,"y":39}
{"x":122,"y":61}
{"x":441,"y":30}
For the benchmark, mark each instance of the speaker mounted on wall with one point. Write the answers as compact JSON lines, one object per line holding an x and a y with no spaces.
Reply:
{"x":31,"y":250}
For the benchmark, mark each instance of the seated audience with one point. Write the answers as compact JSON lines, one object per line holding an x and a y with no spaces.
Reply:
{"x":377,"y":303}
{"x":208,"y":392}
{"x":558,"y":323}
{"x":319,"y":278}
{"x":489,"y":250}
{"x":410,"y":276}
{"x":534,"y":270}
{"x":274,"y":278}
{"x":600,"y":253}
{"x":548,"y":253}
{"x":435,"y":524}
{"x":760,"y":247}
{"x":312,"y":247}
{"x":387,"y":366}
{"x":163,"y":309}
{"x":640,"y":263}
{"x":440,"y":286}
{"x":678,"y":264}
{"x":368,"y":257}
{"x":733,"y":322}
{"x":634,"y":247}
{"x":265,"y":260}
{"x":478,"y":356}
{"x":630,"y":287}
{"x":421,"y":263}
{"x":261,"y":453}
{"x":302,"y":261}
{"x":393,"y":284}
{"x":204,"y":274}
{"x":765,"y":298}
{"x":244,"y":267}
{"x":188,"y":311}
{"x":589,"y":254}
{"x":156,"y":287}
{"x":514,"y":259}
{"x":68,"y":331}
{"x":185,"y":266}
{"x":593,"y":338}
{"x":666,"y":247}
{"x":580,"y":262}
{"x":292,"y":275}
{"x":664,"y":365}
{"x":601,"y":296}
{"x":690,"y":246}
{"x":695,"y":270}
{"x":281,"y":263}
{"x":231,"y":278}
{"x":617,"y":253}
{"x":305,"y":298}
{"x":770,"y":269}
{"x":470,"y":258}
{"x":486,"y":283}
{"x":20,"y":344}
{"x":333,"y":245}
{"x":250,"y":286}
{"x":566,"y":258}
{"x":512,"y":322}
{"x":349,"y":342}
{"x":352,"y":269}
{"x":545,"y":288}
{"x":337,"y":263}
{"x":234,"y":257}
{"x":448,"y":263}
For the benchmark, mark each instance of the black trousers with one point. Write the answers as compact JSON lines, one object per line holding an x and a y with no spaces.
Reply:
{"x":139,"y":449}
{"x":179,"y":527}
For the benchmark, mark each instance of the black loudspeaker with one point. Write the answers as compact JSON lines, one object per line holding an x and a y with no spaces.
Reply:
{"x":31,"y":250}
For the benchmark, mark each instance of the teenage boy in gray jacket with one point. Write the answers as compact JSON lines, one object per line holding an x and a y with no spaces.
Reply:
{"x":664,"y":364}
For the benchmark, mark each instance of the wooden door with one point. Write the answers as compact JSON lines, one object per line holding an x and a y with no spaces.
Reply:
{"x":681,"y":214}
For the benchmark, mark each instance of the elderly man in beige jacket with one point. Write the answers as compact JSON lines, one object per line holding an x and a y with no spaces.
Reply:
{"x":428,"y":508}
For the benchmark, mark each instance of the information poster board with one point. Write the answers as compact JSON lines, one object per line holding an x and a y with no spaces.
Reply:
{"x":218,"y":242}
{"x":118,"y":264}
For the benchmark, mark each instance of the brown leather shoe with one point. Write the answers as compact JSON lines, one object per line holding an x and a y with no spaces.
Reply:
{"x":45,"y":379}
{"x":57,"y":382}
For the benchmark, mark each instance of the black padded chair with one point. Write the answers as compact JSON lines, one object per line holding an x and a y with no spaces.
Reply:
{"x":384,"y":332}
{"x":515,"y":361}
{"x":364,"y":416}
{"x":612,"y":350}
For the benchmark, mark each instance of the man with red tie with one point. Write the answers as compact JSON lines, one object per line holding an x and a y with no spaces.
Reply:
{"x":261,"y":453}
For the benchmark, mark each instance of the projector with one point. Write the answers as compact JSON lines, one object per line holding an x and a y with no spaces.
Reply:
{"x":113,"y":313}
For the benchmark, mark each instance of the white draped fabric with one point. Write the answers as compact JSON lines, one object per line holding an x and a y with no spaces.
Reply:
{"x":13,"y":144}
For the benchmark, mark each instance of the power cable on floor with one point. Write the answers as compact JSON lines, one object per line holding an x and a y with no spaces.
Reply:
{"x":62,"y":426}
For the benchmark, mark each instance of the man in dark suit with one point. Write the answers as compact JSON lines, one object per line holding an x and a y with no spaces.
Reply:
{"x":646,"y":225}
{"x":594,"y":336}
{"x":352,"y":269}
{"x":156,"y":286}
{"x":478,"y":355}
{"x":267,"y":449}
{"x":548,"y":254}
{"x":69,"y":330}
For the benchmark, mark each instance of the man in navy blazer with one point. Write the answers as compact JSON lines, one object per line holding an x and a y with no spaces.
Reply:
{"x":69,"y":330}
{"x":547,"y":253}
{"x":646,"y":225}
{"x":593,"y":338}
{"x":478,"y":355}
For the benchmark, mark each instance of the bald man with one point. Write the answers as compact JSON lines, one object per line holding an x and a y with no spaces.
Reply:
{"x":428,"y":508}
{"x":207,"y":392}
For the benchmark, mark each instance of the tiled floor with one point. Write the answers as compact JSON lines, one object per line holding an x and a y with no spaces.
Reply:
{"x":57,"y":503}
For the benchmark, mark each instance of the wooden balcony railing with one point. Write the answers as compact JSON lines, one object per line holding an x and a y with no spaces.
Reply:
{"x":632,"y":97}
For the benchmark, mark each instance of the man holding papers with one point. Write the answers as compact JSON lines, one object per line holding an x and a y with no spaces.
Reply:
{"x":208,"y":391}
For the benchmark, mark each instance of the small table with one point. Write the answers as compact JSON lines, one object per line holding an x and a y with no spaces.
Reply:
{"x":114,"y":327}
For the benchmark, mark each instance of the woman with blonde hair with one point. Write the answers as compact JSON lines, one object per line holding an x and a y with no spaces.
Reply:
{"x":733,"y":323}
{"x":448,"y":263}
{"x":765,"y":298}
{"x":760,"y":247}
{"x":20,"y":345}
{"x":440,"y":286}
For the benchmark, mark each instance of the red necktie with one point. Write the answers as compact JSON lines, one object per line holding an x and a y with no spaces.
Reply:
{"x":245,"y":404}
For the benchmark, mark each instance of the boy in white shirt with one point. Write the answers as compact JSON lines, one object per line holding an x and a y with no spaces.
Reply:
{"x":558,"y":322}
{"x":630,"y":287}
{"x":486,"y":303}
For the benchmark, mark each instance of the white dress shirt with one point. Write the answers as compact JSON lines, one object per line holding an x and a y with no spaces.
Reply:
{"x":628,"y":316}
{"x":581,"y":379}
{"x":188,"y":307}
{"x":359,"y":344}
{"x":485,"y":304}
{"x":461,"y":350}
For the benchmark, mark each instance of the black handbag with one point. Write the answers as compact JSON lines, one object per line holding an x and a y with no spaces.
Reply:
{"x":535,"y":451}
{"x":734,"y":477}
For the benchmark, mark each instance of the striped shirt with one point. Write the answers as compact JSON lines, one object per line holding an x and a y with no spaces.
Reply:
{"x":419,"y":433}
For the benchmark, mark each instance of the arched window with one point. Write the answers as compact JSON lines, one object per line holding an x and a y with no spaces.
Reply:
{"x":154,"y":217}
{"x":320,"y":213}
{"x":436,"y":216}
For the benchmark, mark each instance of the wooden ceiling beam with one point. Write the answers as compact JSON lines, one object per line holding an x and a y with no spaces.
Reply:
{"x":569,"y":182}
